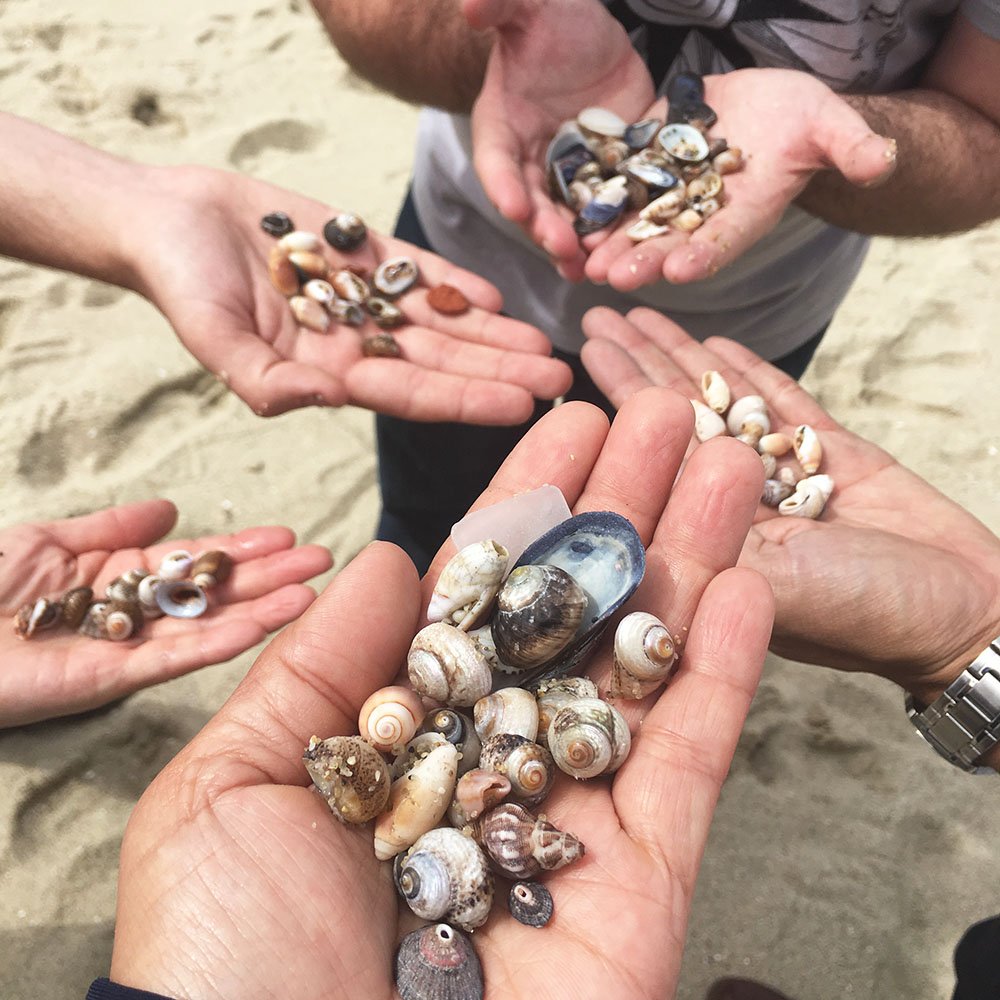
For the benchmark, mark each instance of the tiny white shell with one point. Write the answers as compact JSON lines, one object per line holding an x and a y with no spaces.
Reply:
{"x":808,"y":501}
{"x":390,"y":717}
{"x":707,"y":423}
{"x":645,"y":229}
{"x":175,"y":565}
{"x":770,"y":464}
{"x":147,"y":596}
{"x":601,"y":121}
{"x":715,"y":391}
{"x":741,"y":409}
{"x":688,"y":220}
{"x":644,"y":656}
{"x":808,"y":449}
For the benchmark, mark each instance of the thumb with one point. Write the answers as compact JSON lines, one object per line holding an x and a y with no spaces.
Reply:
{"x":845,"y":140}
{"x":484,"y":14}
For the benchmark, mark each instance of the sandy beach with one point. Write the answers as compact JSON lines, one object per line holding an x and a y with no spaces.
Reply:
{"x":831,"y":867}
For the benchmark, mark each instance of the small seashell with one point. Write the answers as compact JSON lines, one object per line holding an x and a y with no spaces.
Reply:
{"x":687,"y":221}
{"x":309,"y":313}
{"x":381,"y":345}
{"x":350,"y":286}
{"x":604,"y":208}
{"x":555,"y":694}
{"x":445,"y":664}
{"x":74,"y":605}
{"x":350,"y":774}
{"x":146,"y":595}
{"x":707,"y":423}
{"x":638,"y":195}
{"x":527,"y":765}
{"x":419,"y":747}
{"x":822,"y":483}
{"x":309,"y":264}
{"x":468,"y":584}
{"x":728,"y":161}
{"x":645,"y":230}
{"x":459,"y":730}
{"x":345,"y":232}
{"x":300,"y":241}
{"x":644,"y":656}
{"x":579,"y":195}
{"x":386,"y":314}
{"x":483,"y":638}
{"x":716,"y":146}
{"x":181,"y":599}
{"x":277,"y":224}
{"x":788,"y":475}
{"x":589,"y":737}
{"x":775,"y":491}
{"x":211,"y":568}
{"x":113,"y":620}
{"x":601,"y":122}
{"x":319,"y":291}
{"x":126,"y":586}
{"x":476,"y":792}
{"x":175,"y":565}
{"x":282,"y":273}
{"x":395,"y":276}
{"x":564,"y":156}
{"x":389,"y":718}
{"x":715,"y":391}
{"x":445,"y":875}
{"x":770,"y":464}
{"x":438,"y":963}
{"x":706,"y":206}
{"x":521,"y":845}
{"x":417,"y":802}
{"x":36,"y":616}
{"x":640,"y":134}
{"x":808,"y":449}
{"x":809,"y":498}
{"x":655,"y":175}
{"x":447,"y":300}
{"x":589,"y":174}
{"x":741,"y":409}
{"x":611,"y":153}
{"x":664,"y":208}
{"x":346,"y":312}
{"x":530,"y":903}
{"x":753,"y":428}
{"x":510,"y":710}
{"x":692,"y":170}
{"x":707,"y":185}
{"x":775,"y":444}
{"x":683,"y":142}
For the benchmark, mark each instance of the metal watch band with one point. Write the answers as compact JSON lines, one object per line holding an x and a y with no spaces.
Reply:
{"x":964,"y":723}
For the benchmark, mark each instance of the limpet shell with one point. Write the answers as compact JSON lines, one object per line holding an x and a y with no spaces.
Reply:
{"x":438,"y":963}
{"x":351,"y":776}
{"x":395,"y":276}
{"x":530,"y":903}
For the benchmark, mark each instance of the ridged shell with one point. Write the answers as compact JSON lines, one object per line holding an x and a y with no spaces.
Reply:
{"x":808,"y":449}
{"x":555,"y":694}
{"x":467,"y":584}
{"x":438,"y":963}
{"x":446,"y":876}
{"x":741,"y":409}
{"x":416,"y":750}
{"x":147,"y":596}
{"x":181,"y":599}
{"x":530,"y":903}
{"x":112,"y":620}
{"x":459,"y":730}
{"x":417,"y":802}
{"x":211,"y":568}
{"x":389,"y":718}
{"x":395,"y":276}
{"x":527,"y":765}
{"x":126,"y":586}
{"x":477,"y":792}
{"x":521,"y":845}
{"x":715,"y":390}
{"x":446,"y":665}
{"x":74,"y":605}
{"x":589,"y":737}
{"x":510,"y":710}
{"x":350,"y":774}
{"x":707,"y":423}
{"x":36,"y":616}
{"x":644,"y":656}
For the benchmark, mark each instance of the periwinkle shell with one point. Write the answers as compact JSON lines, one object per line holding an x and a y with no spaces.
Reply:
{"x":644,"y":656}
{"x":555,"y":694}
{"x":589,"y":737}
{"x":458,"y":729}
{"x":74,"y":605}
{"x":528,"y":766}
{"x":445,"y":664}
{"x":438,"y":963}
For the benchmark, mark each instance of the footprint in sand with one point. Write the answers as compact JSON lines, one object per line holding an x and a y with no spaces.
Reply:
{"x":286,"y":136}
{"x":41,"y":460}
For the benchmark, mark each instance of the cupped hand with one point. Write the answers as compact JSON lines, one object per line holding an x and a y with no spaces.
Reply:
{"x":204,"y":265}
{"x":551,"y":59}
{"x":789,"y":125}
{"x":60,"y":672}
{"x":894,"y":578}
{"x":237,"y":882}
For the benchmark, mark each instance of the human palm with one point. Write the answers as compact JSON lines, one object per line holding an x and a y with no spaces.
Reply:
{"x":206,"y":269}
{"x":894,"y":578}
{"x":237,"y":882}
{"x":60,"y":672}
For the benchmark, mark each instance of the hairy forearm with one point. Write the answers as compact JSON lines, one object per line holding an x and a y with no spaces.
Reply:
{"x":66,"y":205}
{"x":420,"y":50}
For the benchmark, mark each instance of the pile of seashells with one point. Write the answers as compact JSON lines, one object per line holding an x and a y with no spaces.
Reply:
{"x":177,"y":589}
{"x":319,"y":293}
{"x":747,"y":420}
{"x":671,"y":173}
{"x":453,"y":796}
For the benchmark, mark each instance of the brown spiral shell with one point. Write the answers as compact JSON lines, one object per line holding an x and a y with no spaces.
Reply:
{"x":521,"y":845}
{"x":528,"y":766}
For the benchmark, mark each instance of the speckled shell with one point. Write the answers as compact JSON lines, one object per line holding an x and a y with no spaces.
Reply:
{"x":644,"y":656}
{"x":36,"y":616}
{"x":395,"y":276}
{"x":510,"y":710}
{"x":446,"y":876}
{"x":477,"y":792}
{"x":521,"y":845}
{"x":589,"y":737}
{"x":808,"y":450}
{"x":418,"y":748}
{"x":112,"y":620}
{"x":459,"y":730}
{"x":707,"y":423}
{"x":704,"y":187}
{"x":715,"y":391}
{"x":530,"y":903}
{"x":384,"y":313}
{"x":467,"y":584}
{"x":389,"y":718}
{"x":527,"y":765}
{"x":741,"y":409}
{"x":351,"y":775}
{"x":211,"y":568}
{"x":126,"y":586}
{"x":350,"y":287}
{"x":438,"y":963}
{"x":446,"y":665}
{"x":417,"y":802}
{"x":555,"y":694}
{"x":74,"y":605}
{"x":147,"y":596}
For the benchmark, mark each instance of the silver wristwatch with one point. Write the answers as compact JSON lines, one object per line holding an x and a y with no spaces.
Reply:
{"x":964,"y":723}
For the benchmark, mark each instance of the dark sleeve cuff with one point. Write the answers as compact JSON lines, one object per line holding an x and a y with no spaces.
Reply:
{"x":104,"y":989}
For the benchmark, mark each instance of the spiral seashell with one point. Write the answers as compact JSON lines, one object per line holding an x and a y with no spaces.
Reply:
{"x":146,"y":594}
{"x":445,"y":875}
{"x":395,"y":276}
{"x":741,"y":409}
{"x":309,"y":313}
{"x":539,"y":609}
{"x":644,"y":229}
{"x":687,"y":221}
{"x":211,"y":568}
{"x":530,"y":903}
{"x":181,"y":599}
{"x":349,"y":313}
{"x":666,"y":207}
{"x":350,"y":286}
{"x":707,"y":423}
{"x":555,"y":694}
{"x":775,"y":491}
{"x":438,"y":963}
{"x":458,"y":729}
{"x":715,"y":391}
{"x":345,"y":232}
{"x":589,"y":737}
{"x":775,"y":444}
{"x":389,"y":718}
{"x":728,"y":161}
{"x":644,"y":657}
{"x":351,"y":776}
{"x":74,"y":605}
{"x":527,"y":765}
{"x":444,"y":664}
{"x":300,"y":241}
{"x":510,"y":710}
{"x":175,"y":565}
{"x":467,"y":584}
{"x":414,"y":751}
{"x":521,"y":845}
{"x":36,"y":616}
{"x":476,"y":792}
{"x":770,"y":464}
{"x":808,"y":449}
{"x":417,"y":802}
{"x":809,"y":498}
{"x":282,"y":273}
{"x":113,"y":620}
{"x":126,"y":586}
{"x":754,"y":427}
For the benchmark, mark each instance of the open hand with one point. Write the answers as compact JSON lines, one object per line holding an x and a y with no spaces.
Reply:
{"x":235,"y":879}
{"x":205,"y":266}
{"x":894,"y":578}
{"x":59,"y":672}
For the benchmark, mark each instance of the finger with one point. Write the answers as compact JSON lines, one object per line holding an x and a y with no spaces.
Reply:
{"x":845,"y":141}
{"x":641,"y":264}
{"x":478,"y":327}
{"x":496,"y":154}
{"x":667,"y":790}
{"x":259,"y":577}
{"x":131,"y":525}
{"x":483,"y":14}
{"x":241,"y":546}
{"x":613,"y":370}
{"x":551,"y":228}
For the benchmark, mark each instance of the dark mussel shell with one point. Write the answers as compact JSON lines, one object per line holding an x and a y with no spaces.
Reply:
{"x":567,"y":152}
{"x":438,"y":963}
{"x":530,"y":903}
{"x":277,"y":224}
{"x":640,"y":134}
{"x":608,"y":203}
{"x":686,"y":97}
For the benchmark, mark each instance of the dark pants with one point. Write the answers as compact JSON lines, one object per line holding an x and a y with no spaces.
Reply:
{"x":430,"y":473}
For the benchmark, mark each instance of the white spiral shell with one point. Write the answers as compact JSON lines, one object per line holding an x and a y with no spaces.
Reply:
{"x":510,"y":710}
{"x":741,"y":409}
{"x":644,"y":657}
{"x":390,"y":717}
{"x":468,"y":583}
{"x":589,"y":737}
{"x":446,"y":665}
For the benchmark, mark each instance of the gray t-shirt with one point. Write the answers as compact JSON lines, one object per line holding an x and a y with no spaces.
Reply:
{"x":785,"y":288}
